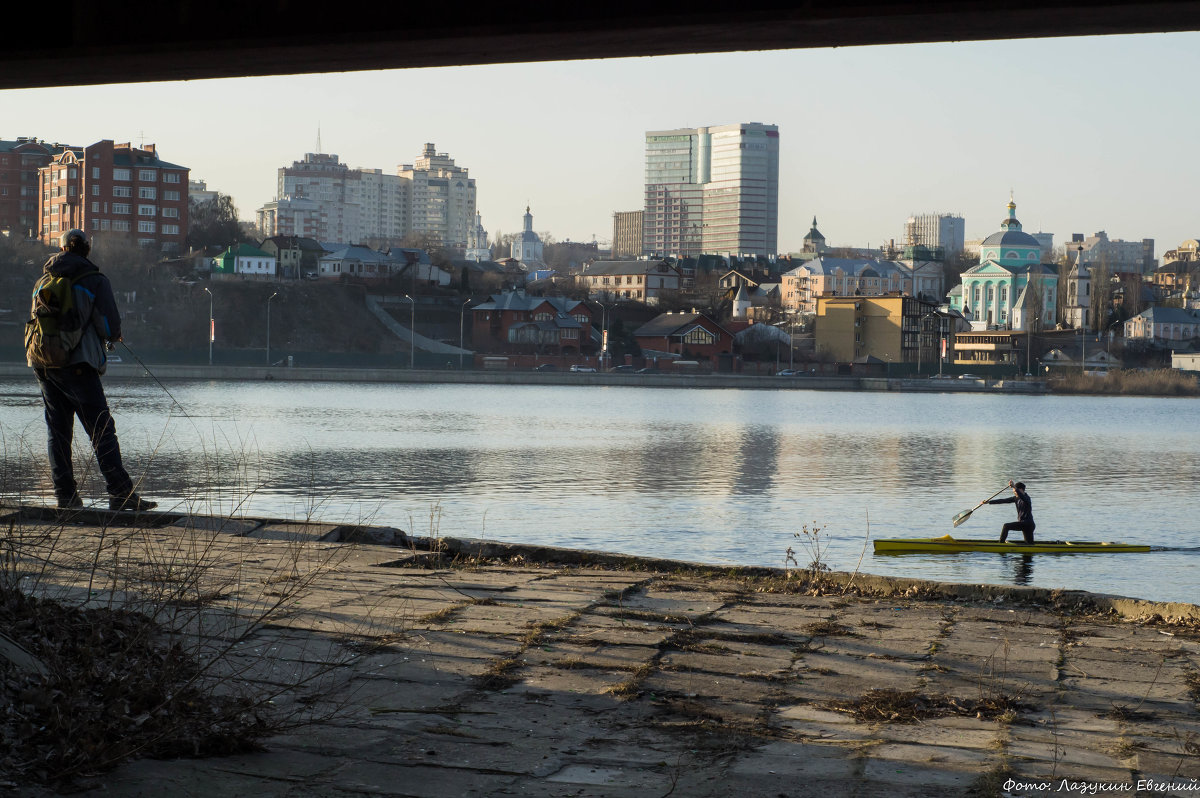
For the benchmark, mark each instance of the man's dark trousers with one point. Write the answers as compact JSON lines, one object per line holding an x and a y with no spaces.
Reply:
{"x":71,"y":391}
{"x":1024,"y":527}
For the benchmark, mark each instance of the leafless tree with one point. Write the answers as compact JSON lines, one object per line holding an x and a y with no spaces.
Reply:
{"x":1064,"y":277}
{"x":1102,"y":293}
{"x":1035,"y":300}
{"x":1132,"y":302}
{"x":502,"y":244}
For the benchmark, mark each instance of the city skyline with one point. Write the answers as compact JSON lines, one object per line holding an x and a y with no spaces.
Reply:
{"x":1087,"y":133}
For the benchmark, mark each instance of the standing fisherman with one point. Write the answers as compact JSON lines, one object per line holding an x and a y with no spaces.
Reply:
{"x":70,"y":378}
{"x":1024,"y":521}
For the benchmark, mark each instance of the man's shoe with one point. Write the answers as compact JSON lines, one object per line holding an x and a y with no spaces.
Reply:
{"x":132,"y":502}
{"x":71,"y":502}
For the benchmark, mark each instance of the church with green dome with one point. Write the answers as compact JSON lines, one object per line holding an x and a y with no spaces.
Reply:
{"x":1010,"y":289}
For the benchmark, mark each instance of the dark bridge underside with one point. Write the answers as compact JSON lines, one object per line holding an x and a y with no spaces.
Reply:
{"x":97,"y":41}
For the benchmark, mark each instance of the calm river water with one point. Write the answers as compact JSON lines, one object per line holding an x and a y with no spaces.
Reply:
{"x":719,"y":476}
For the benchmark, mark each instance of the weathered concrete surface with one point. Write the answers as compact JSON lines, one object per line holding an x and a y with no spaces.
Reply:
{"x":436,"y":677}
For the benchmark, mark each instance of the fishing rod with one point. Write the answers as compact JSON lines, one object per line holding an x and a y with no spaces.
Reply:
{"x":146,"y":368}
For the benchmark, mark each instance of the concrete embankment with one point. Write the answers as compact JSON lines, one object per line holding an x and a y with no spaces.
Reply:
{"x":133,"y":371}
{"x":504,"y":669}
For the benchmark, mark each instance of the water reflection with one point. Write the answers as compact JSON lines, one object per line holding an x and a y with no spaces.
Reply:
{"x":757,"y":461}
{"x":1022,"y":569}
{"x":721,"y":476}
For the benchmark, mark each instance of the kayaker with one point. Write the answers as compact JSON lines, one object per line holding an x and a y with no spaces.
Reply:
{"x":1024,"y":521}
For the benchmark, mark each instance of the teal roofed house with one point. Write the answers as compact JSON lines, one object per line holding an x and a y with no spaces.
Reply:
{"x":1010,"y":289}
{"x":244,"y":259}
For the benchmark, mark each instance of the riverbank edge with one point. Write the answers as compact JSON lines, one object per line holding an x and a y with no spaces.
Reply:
{"x":1078,"y":600}
{"x":451,"y":551}
{"x":135,"y":372}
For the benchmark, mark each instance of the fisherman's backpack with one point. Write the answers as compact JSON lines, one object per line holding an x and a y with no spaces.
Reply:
{"x":56,"y":326}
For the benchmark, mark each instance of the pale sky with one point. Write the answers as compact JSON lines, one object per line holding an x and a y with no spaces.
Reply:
{"x":1089,"y":134}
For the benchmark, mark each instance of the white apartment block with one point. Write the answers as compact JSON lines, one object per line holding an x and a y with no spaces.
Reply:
{"x":442,"y":200}
{"x":198,"y":191}
{"x":945,"y":230}
{"x":322,"y":198}
{"x":1112,"y":255}
{"x":712,"y":190}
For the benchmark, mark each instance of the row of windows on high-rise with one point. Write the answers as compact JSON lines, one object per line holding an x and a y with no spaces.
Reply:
{"x":118,"y":173}
{"x":144,"y":192}
{"x":121,"y":226}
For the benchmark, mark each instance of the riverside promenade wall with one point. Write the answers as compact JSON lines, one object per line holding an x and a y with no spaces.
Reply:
{"x":474,"y":668}
{"x":132,"y":371}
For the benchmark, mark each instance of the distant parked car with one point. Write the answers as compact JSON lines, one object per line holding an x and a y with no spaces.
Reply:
{"x":622,"y":369}
{"x":969,"y":377}
{"x":790,"y":373}
{"x":583,"y":369}
{"x":546,"y":367}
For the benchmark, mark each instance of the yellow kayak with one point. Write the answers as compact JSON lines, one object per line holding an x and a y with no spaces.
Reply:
{"x":950,"y":545}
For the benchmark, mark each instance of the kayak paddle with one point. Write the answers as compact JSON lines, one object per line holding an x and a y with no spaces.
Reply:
{"x":965,"y":514}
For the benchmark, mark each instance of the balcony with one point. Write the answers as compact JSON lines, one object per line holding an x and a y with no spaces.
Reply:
{"x":989,"y":346}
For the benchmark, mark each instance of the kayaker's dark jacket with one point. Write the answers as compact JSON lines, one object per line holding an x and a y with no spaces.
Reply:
{"x":94,"y":298}
{"x":1024,"y":505}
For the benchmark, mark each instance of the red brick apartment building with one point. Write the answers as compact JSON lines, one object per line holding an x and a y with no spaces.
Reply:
{"x":115,"y":189}
{"x":20,"y":161}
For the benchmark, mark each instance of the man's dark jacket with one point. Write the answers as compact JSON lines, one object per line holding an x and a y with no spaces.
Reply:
{"x":95,"y":301}
{"x":1023,"y":502}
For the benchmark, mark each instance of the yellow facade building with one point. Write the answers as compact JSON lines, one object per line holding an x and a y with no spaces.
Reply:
{"x":894,"y":329}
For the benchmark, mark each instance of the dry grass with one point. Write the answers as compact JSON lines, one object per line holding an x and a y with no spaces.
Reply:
{"x":500,"y":674}
{"x":990,"y":784}
{"x":441,"y":616}
{"x":911,"y":706}
{"x":148,"y":642}
{"x":632,"y":687}
{"x":648,"y":615}
{"x":828,"y":628}
{"x":1160,"y":382}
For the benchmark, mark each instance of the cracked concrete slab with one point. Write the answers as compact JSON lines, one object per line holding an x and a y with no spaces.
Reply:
{"x":296,"y":532}
{"x":636,"y":683}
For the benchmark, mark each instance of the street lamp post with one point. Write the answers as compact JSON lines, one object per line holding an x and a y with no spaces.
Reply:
{"x":792,"y":341}
{"x":1029,"y":345}
{"x":1083,"y":313}
{"x":272,"y":296}
{"x":412,"y":331}
{"x":603,"y":332}
{"x":920,"y":329}
{"x":1082,"y":351}
{"x":212,"y":329}
{"x":462,"y":316}
{"x":941,"y":342}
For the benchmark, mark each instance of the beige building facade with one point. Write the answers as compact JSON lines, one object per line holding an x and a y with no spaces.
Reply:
{"x":632,"y":280}
{"x":803,"y":286}
{"x":627,"y":234}
{"x":894,"y":329}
